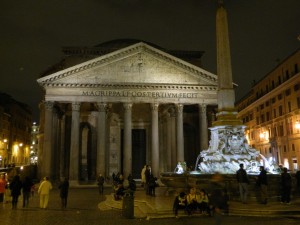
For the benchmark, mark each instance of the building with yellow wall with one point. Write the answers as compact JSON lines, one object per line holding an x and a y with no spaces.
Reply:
{"x":15,"y":131}
{"x":271,"y":112}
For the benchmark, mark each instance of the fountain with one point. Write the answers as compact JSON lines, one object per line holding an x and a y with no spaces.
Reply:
{"x":228,"y":146}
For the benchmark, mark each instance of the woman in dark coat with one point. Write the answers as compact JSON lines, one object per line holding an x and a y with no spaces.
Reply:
{"x":26,"y":186}
{"x":286,"y":186}
{"x":15,"y":187}
{"x":64,"y":190}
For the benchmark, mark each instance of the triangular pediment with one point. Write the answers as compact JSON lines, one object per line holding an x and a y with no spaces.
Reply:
{"x":139,"y":64}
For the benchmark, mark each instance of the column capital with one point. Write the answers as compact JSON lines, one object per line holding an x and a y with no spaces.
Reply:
{"x":127,"y":106}
{"x":154,"y":106}
{"x":202,"y":108}
{"x":101,"y":106}
{"x":179,"y":108}
{"x":172,"y":111}
{"x":49,"y":105}
{"x":76,"y":106}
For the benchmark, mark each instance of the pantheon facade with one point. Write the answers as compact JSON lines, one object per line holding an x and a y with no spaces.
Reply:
{"x":120,"y":105}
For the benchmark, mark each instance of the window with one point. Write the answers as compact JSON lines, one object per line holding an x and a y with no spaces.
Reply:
{"x":252,"y":135}
{"x":273,"y":100}
{"x":262,"y":106}
{"x":287,"y":75}
{"x":298,"y":102}
{"x":257,"y":120}
{"x":295,"y":163}
{"x":274,"y":113}
{"x":268,"y":116}
{"x":290,"y":127}
{"x":296,"y":68}
{"x":267,"y":103}
{"x":289,"y":107}
{"x":296,"y":87}
{"x":280,"y":131}
{"x":280,"y":110}
{"x":262,"y":118}
{"x":293,"y":147}
{"x":273,"y":84}
{"x":287,"y":92}
{"x":279,"y":80}
{"x":284,"y":148}
{"x":279,"y":96}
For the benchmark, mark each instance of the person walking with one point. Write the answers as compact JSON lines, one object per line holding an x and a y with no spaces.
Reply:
{"x":100,"y":182}
{"x":3,"y":185}
{"x":64,"y":191}
{"x":147,"y":179}
{"x":143,"y":178}
{"x":297,"y":176}
{"x":26,"y":190}
{"x":15,"y":187}
{"x":243,"y":181}
{"x":218,"y":204}
{"x":286,"y":186}
{"x":262,"y":182}
{"x":43,"y":191}
{"x":152,"y":185}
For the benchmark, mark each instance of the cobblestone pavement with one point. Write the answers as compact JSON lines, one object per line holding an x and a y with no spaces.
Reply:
{"x":83,"y":210}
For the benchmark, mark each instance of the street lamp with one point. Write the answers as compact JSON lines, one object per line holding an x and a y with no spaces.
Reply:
{"x":264,"y":135}
{"x":297,"y":125}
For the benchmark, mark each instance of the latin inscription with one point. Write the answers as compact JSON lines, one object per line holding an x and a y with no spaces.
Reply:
{"x":143,"y":94}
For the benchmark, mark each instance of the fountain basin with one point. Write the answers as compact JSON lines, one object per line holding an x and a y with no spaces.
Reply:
{"x":183,"y":182}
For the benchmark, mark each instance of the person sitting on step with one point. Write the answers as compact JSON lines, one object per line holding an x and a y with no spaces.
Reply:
{"x":180,"y":202}
{"x":191,"y":201}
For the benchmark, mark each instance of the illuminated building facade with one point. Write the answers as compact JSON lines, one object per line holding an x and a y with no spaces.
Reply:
{"x":15,"y":128}
{"x":34,"y":143}
{"x":120,"y":105}
{"x":271,"y":112}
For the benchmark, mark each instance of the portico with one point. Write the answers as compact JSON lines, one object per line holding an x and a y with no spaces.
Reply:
{"x":137,"y":105}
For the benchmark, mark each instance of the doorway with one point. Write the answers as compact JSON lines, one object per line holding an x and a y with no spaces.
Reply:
{"x":139,"y":144}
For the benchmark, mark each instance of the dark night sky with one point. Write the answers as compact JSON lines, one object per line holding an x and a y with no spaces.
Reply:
{"x":33,"y":32}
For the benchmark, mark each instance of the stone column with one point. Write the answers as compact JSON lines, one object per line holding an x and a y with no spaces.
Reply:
{"x":84,"y":153}
{"x":74,"y":151}
{"x":62,"y":168}
{"x":203,"y":127}
{"x":101,"y":136}
{"x":47,"y":153}
{"x":180,"y":137}
{"x":127,"y":151}
{"x":171,"y":139}
{"x":154,"y":140}
{"x":55,"y":143}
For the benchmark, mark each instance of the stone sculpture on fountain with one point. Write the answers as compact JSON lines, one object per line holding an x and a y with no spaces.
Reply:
{"x":228,"y":148}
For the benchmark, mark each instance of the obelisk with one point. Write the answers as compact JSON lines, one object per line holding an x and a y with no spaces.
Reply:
{"x":226,"y":97}
{"x":228,"y":145}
